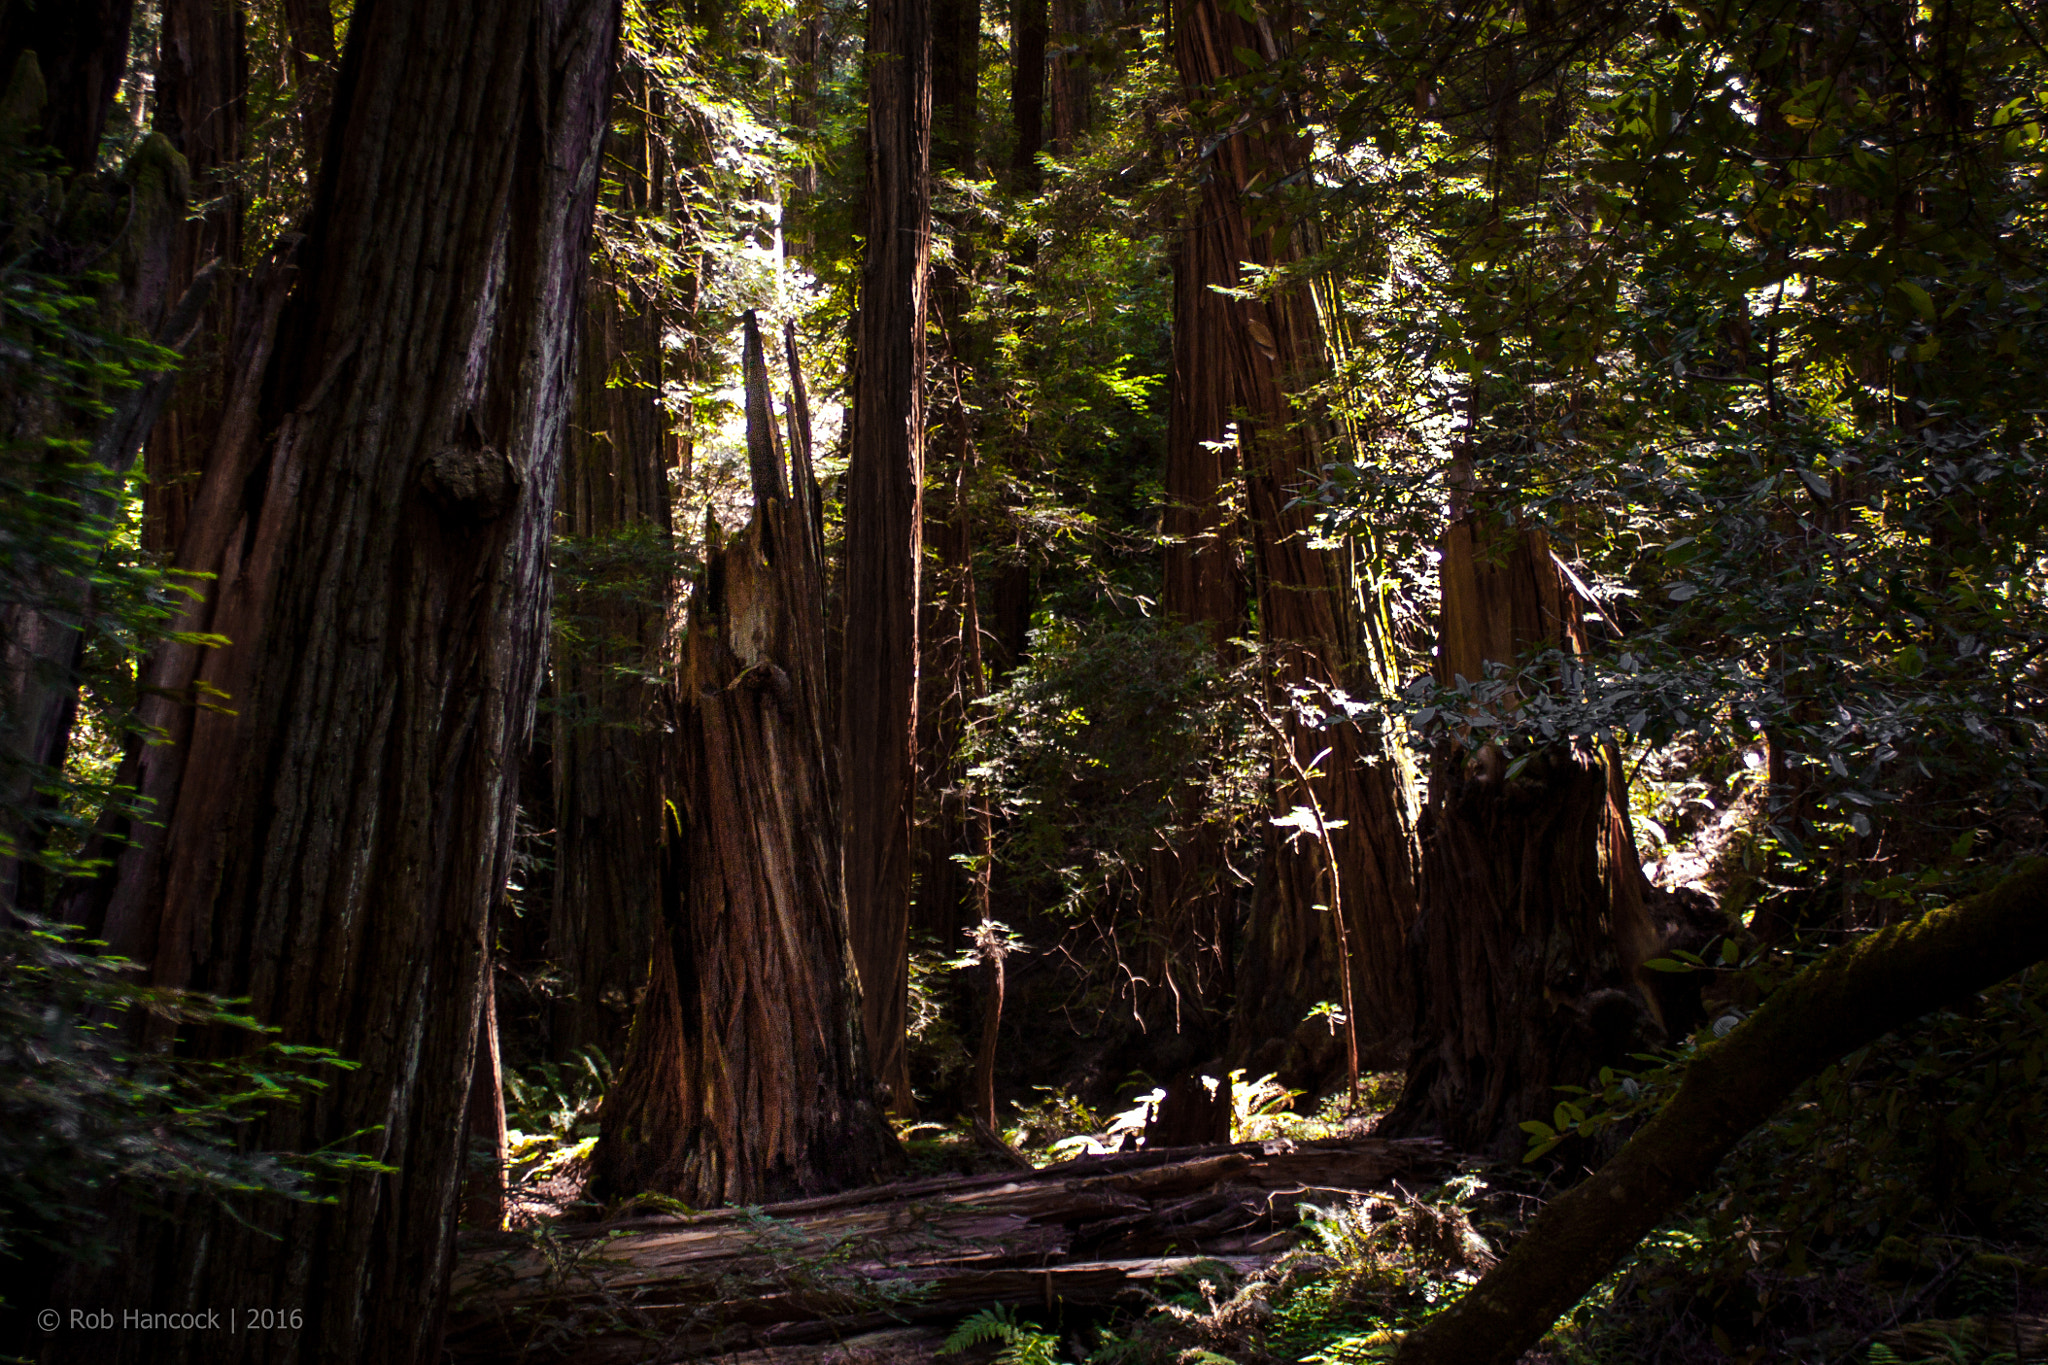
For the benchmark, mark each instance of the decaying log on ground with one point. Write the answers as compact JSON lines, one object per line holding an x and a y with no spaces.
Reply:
{"x":1093,"y":1231}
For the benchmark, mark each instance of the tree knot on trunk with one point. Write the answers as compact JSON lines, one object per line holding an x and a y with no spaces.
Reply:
{"x":471,"y":481}
{"x":766,"y":676}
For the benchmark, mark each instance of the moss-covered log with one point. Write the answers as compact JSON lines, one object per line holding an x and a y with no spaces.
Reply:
{"x":1857,"y":993}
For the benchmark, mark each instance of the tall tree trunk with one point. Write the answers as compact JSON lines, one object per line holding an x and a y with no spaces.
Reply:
{"x":950,"y":677}
{"x":614,"y":508}
{"x":614,"y":504}
{"x":1532,"y":922}
{"x":339,"y":840}
{"x":1262,"y":352}
{"x":1028,"y":24}
{"x":309,"y":38}
{"x":202,"y":88}
{"x":884,"y":528}
{"x":1190,"y":896}
{"x":747,"y":1078}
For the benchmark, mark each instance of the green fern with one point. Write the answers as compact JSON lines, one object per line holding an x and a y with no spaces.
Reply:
{"x":1023,"y":1344}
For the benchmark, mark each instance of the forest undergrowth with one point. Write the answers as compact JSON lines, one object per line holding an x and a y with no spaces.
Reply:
{"x":1892,"y":1214}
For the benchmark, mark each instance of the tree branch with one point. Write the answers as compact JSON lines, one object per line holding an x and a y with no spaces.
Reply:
{"x":1854,"y":995}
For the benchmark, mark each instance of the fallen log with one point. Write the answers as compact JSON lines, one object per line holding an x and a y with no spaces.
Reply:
{"x":1095,"y":1231}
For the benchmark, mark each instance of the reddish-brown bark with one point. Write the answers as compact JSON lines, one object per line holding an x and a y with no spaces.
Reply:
{"x":1533,"y":923}
{"x":1257,"y":354}
{"x":607,"y":741}
{"x":202,"y":85}
{"x":341,"y":836}
{"x":747,"y":1077}
{"x":884,"y":528}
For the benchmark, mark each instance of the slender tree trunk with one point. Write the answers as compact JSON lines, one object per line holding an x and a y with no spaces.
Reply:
{"x":1027,"y":91}
{"x":202,"y":87}
{"x":884,"y":523}
{"x":309,"y":34}
{"x":747,"y":1078}
{"x":1262,"y":351}
{"x":340,"y":838}
{"x":950,"y":676}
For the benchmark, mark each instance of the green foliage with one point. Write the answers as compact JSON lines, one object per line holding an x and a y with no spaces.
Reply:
{"x":561,"y":1101}
{"x":1058,"y":1118}
{"x":69,"y":543}
{"x":1023,"y":1344}
{"x":89,"y":1117}
{"x":1086,"y":747}
{"x":1750,"y":325}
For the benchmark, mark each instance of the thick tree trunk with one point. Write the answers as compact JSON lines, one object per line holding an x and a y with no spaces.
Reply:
{"x":884,"y":525}
{"x":341,"y":836}
{"x":1532,"y":923}
{"x":747,"y":1078}
{"x":1853,"y":996}
{"x":1258,"y":353}
{"x":605,"y":750}
{"x":1191,"y":896}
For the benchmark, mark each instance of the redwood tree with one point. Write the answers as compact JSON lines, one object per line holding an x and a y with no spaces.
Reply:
{"x":884,"y":528}
{"x":1533,"y":922}
{"x":341,"y":836}
{"x":747,"y":1077}
{"x":1254,"y":356}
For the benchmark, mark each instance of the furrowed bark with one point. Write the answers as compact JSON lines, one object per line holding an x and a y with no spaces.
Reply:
{"x":358,"y":802}
{"x":884,"y":523}
{"x":1191,"y":896}
{"x":1264,"y":350}
{"x":747,"y":1077}
{"x":1532,"y":923}
{"x":1849,"y":998}
{"x":202,"y":87}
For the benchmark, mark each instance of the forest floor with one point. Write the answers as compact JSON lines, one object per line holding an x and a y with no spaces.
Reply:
{"x":1314,"y":1242}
